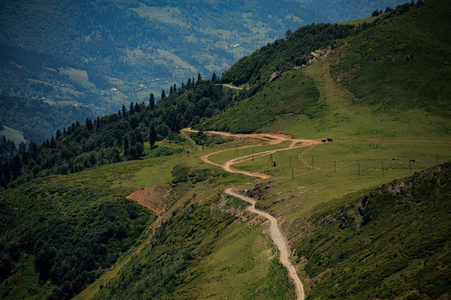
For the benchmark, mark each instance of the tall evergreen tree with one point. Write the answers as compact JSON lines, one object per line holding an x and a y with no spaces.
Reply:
{"x":152,"y":135}
{"x":89,"y":124}
{"x":163,"y":94}
{"x":126,"y":146}
{"x":151,"y":101}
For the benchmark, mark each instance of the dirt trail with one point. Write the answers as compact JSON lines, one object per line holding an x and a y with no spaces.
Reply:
{"x":276,"y":234}
{"x":301,"y":158}
{"x":233,"y":87}
{"x":279,"y":240}
{"x":270,"y":137}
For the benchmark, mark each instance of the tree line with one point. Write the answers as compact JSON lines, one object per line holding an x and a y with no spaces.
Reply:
{"x":120,"y":136}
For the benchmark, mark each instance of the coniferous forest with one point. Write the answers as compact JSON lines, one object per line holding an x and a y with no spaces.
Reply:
{"x":121,"y":136}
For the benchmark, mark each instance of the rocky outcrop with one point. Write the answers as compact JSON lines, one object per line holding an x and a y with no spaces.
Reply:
{"x":273,"y":77}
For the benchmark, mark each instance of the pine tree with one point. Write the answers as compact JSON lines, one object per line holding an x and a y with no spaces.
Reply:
{"x":125,"y":146}
{"x":58,"y":134}
{"x":152,"y":135}
{"x":163,"y":94}
{"x":52,"y":143}
{"x":151,"y":101}
{"x":89,"y":124}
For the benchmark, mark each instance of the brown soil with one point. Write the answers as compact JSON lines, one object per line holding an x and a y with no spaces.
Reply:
{"x":154,"y":198}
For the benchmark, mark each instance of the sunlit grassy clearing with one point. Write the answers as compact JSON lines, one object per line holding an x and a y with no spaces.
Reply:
{"x":303,"y":188}
{"x":225,"y":156}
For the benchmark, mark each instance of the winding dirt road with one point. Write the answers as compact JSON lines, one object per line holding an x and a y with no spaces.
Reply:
{"x":278,"y":239}
{"x":271,"y":138}
{"x":275,"y":233}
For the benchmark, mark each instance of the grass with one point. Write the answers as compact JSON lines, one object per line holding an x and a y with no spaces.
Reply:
{"x":342,"y":118}
{"x":218,"y":249}
{"x":311,"y":189}
{"x":223,"y":157}
{"x":80,"y":76}
{"x":13,"y":134}
{"x":247,"y":260}
{"x":391,"y":256}
{"x":296,"y":94}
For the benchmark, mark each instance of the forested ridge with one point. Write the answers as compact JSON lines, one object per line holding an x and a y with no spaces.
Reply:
{"x":121,"y":136}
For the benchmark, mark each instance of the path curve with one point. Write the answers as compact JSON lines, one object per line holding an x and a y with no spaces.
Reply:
{"x":279,"y":240}
{"x":275,"y":233}
{"x":271,"y":137}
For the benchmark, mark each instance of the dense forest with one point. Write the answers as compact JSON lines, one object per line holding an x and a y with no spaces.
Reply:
{"x":118,"y":137}
{"x":69,"y":241}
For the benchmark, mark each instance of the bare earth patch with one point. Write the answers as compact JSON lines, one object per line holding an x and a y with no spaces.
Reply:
{"x":154,"y":198}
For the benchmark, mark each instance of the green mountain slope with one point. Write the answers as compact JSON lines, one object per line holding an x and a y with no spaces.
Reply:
{"x":58,"y":233}
{"x":385,"y":243}
{"x":388,"y":80}
{"x":365,"y":214}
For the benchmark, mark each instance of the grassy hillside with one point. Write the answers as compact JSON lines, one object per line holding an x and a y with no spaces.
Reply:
{"x":386,"y":243}
{"x":390,"y":80}
{"x":365,"y":215}
{"x":275,"y":100}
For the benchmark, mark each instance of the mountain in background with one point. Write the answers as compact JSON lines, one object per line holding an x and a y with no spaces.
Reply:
{"x":362,"y":196}
{"x":105,"y":53}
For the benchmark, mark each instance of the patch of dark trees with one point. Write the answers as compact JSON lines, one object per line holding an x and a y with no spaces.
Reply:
{"x":117,"y":137}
